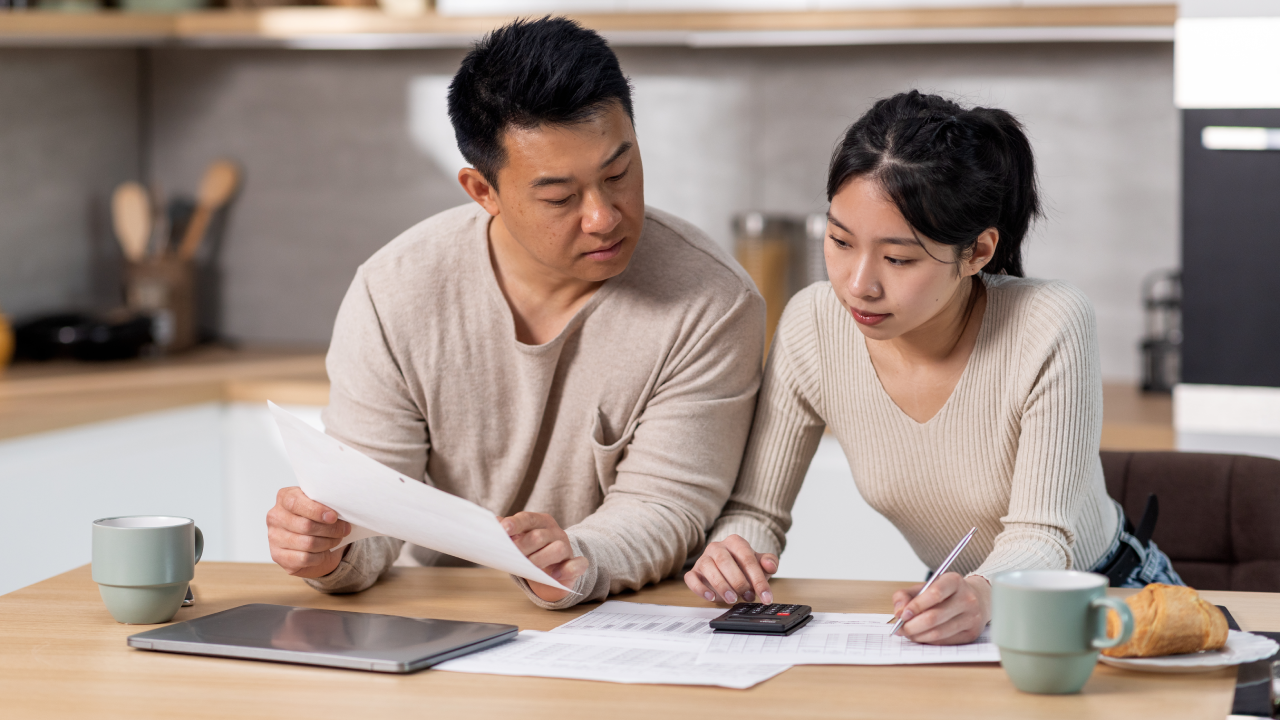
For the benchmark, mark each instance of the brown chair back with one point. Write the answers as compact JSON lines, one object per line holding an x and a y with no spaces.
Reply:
{"x":1218,"y":513}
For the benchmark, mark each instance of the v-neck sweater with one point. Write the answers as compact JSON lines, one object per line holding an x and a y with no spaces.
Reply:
{"x":1013,"y":451}
{"x":628,"y":427}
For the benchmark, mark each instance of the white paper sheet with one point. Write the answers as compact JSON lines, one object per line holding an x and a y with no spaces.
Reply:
{"x":376,"y":498}
{"x":871,"y":623}
{"x":632,"y":661}
{"x":826,"y":645}
{"x":674,"y":622}
{"x":670,"y":623}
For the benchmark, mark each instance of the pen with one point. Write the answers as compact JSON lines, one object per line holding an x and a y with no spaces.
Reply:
{"x":941,"y":569}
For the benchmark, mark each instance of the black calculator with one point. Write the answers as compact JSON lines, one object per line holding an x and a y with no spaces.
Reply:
{"x":763,"y":619}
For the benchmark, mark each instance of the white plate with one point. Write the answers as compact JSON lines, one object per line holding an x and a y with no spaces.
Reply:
{"x":1241,"y":647}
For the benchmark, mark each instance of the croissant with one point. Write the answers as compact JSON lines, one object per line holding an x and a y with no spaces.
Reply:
{"x":1168,"y":620}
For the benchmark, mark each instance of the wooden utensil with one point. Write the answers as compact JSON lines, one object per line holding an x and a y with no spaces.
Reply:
{"x":216,"y":188}
{"x":131,"y":217}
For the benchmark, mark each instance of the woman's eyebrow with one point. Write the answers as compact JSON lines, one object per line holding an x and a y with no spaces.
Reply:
{"x":898,"y":241}
{"x":832,"y":219}
{"x":887,"y":241}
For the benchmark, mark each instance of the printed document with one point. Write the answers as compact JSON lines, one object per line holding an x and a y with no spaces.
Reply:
{"x":674,"y":622}
{"x":380,"y":501}
{"x":829,"y":639}
{"x":670,"y":623}
{"x":831,"y":645}
{"x":539,"y":654}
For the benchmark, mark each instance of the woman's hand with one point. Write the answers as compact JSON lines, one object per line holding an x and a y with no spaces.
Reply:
{"x":953,"y":611}
{"x":730,"y":570}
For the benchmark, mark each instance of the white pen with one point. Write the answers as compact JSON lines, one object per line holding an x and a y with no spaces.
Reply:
{"x":941,"y":569}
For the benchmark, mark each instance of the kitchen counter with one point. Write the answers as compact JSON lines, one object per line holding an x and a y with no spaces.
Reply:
{"x":1134,"y":420}
{"x":40,"y":397}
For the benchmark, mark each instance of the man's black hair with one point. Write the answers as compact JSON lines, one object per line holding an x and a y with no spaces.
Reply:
{"x":526,"y":74}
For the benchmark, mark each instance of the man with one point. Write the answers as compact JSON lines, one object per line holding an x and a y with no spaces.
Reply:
{"x":582,"y":366}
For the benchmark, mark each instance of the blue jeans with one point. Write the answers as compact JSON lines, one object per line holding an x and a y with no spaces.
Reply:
{"x":1155,"y":566}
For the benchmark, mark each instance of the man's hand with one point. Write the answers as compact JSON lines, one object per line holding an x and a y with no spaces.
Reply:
{"x":953,"y":611}
{"x":540,"y":538}
{"x":730,"y":570}
{"x":302,"y":532}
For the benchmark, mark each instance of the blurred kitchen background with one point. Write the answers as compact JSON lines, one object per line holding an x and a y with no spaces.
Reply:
{"x":331,"y":122}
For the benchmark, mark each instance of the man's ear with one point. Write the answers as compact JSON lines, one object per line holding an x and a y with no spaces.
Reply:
{"x":983,"y":250}
{"x":480,"y":189}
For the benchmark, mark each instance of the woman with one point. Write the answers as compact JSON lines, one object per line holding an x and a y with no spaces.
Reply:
{"x":962,"y":393}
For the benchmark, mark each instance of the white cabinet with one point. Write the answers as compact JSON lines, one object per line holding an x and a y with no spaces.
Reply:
{"x":54,"y":485}
{"x":255,"y":468}
{"x":220,"y":465}
{"x":835,"y":534}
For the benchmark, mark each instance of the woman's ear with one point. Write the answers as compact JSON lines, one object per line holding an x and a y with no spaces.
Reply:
{"x":983,"y":250}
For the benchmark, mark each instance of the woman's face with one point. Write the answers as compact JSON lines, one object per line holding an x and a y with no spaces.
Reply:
{"x":883,"y":276}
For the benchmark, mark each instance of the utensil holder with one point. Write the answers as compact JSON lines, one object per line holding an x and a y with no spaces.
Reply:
{"x":164,"y":288}
{"x":776,"y":250}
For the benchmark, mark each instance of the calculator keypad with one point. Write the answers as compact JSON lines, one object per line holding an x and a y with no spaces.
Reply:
{"x":760,"y":618}
{"x":760,"y":609}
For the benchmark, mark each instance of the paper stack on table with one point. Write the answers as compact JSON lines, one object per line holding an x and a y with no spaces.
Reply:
{"x":636,"y":660}
{"x":826,"y":646}
{"x":620,"y":642}
{"x":639,"y":643}
{"x":381,"y":501}
{"x":618,"y":619}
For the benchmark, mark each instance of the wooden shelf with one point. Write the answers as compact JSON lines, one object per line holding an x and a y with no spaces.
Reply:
{"x":321,"y":27}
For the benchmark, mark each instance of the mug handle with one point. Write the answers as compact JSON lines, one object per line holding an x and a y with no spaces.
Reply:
{"x":199,"y":545}
{"x":1104,"y":604}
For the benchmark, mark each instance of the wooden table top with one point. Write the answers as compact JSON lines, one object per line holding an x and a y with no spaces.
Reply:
{"x":61,"y":655}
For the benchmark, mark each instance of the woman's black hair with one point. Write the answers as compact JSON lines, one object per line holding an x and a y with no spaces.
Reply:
{"x":951,"y":172}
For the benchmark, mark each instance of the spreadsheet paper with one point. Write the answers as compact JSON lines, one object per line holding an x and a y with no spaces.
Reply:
{"x":829,"y":639}
{"x":830,"y":646}
{"x":539,"y":654}
{"x":640,"y":620}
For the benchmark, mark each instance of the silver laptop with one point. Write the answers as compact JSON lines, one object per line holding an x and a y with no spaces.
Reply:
{"x":333,"y":638}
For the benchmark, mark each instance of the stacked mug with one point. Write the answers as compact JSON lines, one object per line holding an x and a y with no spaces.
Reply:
{"x":143,"y":564}
{"x":1050,"y":625}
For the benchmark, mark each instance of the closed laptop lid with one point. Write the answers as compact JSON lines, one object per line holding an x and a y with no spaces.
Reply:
{"x":334,"y":638}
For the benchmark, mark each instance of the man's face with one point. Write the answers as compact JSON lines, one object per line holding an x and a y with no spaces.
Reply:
{"x":572,"y":196}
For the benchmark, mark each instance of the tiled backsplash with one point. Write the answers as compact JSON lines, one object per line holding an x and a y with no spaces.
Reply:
{"x":338,"y":159}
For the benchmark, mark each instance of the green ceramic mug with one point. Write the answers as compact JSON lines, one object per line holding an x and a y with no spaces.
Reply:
{"x":143,"y":563}
{"x":1050,"y":625}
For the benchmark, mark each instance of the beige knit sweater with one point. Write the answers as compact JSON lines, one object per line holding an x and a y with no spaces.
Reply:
{"x":628,"y":427}
{"x":1013,"y":451}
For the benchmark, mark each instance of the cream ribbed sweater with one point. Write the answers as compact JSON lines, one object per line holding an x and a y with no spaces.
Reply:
{"x":1013,"y":451}
{"x":627,"y":427}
